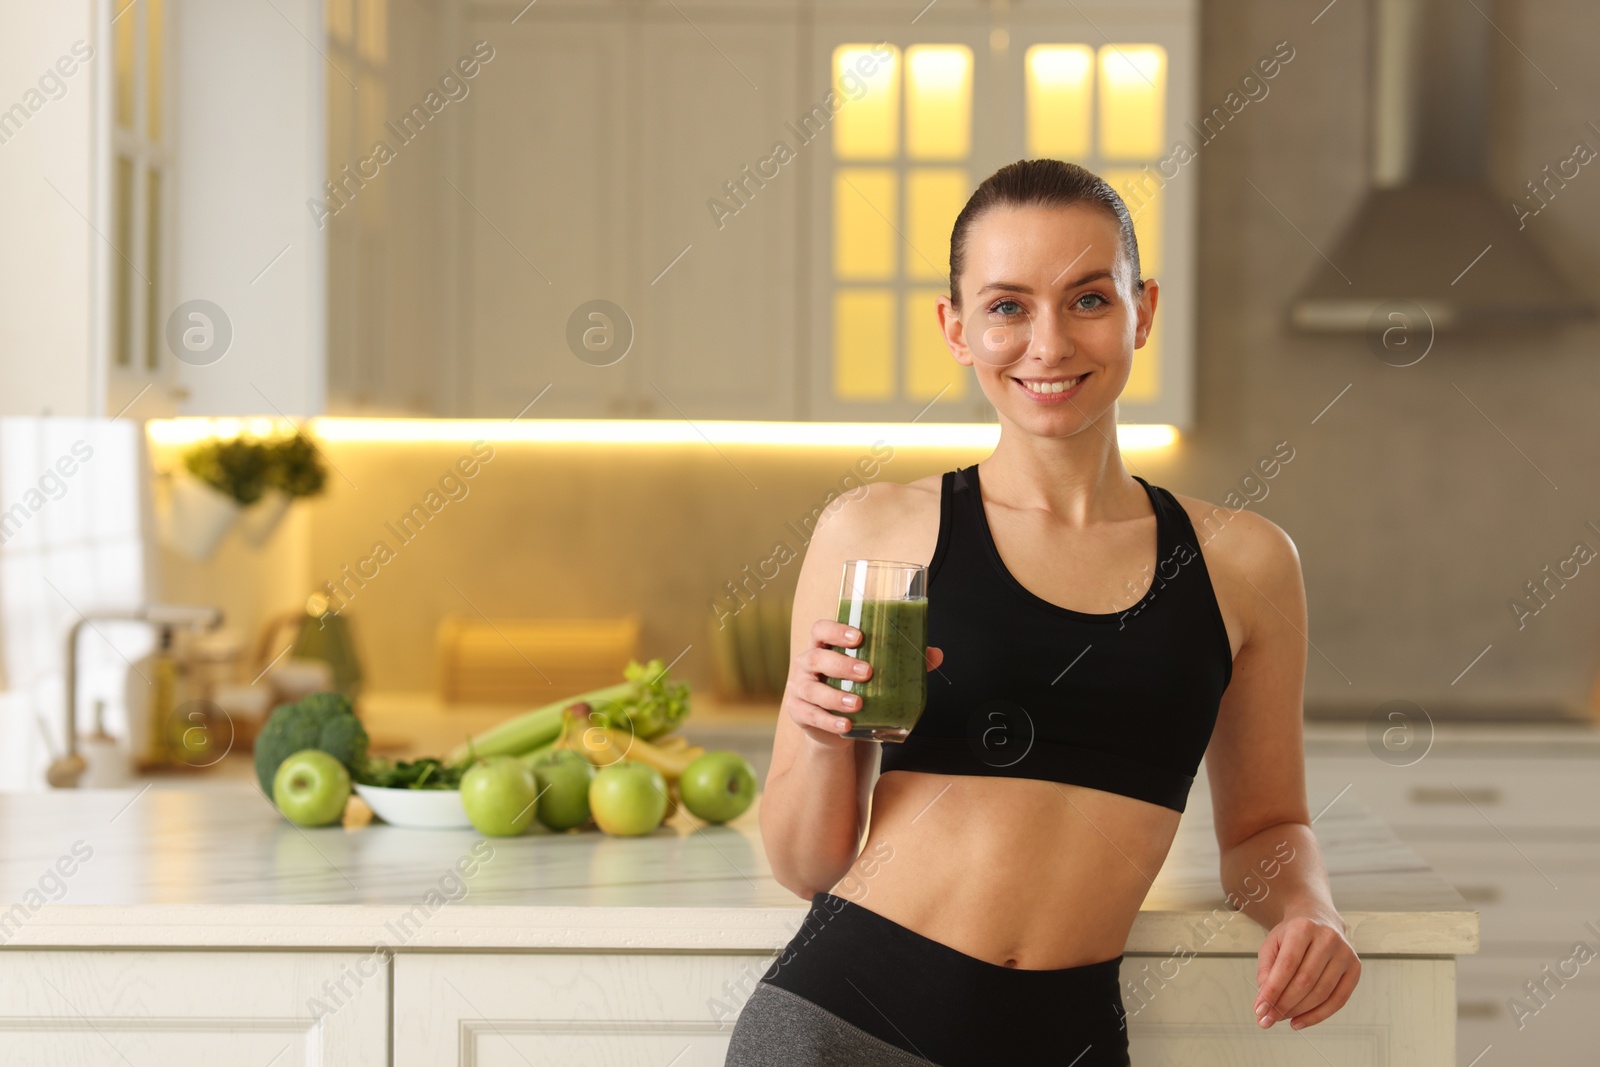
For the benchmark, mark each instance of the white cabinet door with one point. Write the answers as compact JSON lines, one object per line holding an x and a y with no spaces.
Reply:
{"x":511,"y":1010}
{"x":194,"y":1009}
{"x":245,"y":238}
{"x":535,"y":199}
{"x":594,"y":148}
{"x":1196,"y":1013}
{"x":717,"y":305}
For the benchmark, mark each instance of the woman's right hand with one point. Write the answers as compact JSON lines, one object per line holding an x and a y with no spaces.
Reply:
{"x":817,"y":707}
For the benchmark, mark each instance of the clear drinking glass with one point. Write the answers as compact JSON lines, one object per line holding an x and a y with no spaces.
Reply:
{"x":888,"y":603}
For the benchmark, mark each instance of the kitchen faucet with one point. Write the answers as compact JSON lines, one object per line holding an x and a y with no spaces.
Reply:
{"x":65,"y":771}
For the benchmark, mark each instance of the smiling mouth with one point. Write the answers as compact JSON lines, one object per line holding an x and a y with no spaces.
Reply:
{"x":1043,"y":387}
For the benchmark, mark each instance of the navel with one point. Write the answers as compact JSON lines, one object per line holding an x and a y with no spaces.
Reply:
{"x":1011,"y":963}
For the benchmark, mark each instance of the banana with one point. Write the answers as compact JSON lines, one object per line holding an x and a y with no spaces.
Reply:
{"x":604,"y":745}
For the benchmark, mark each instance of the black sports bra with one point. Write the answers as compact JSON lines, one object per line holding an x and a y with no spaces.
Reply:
{"x":1124,"y":702}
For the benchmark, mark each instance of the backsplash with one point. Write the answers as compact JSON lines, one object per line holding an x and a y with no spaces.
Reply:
{"x":680,"y":534}
{"x":410,"y":533}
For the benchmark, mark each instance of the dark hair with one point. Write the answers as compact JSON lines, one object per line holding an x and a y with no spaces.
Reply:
{"x":1047,"y":182}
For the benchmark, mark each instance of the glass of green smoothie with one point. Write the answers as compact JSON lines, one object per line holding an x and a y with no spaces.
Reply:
{"x":888,"y":603}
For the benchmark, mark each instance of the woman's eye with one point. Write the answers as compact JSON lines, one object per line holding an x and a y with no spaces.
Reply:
{"x":1005,"y":307}
{"x":1091,"y":296}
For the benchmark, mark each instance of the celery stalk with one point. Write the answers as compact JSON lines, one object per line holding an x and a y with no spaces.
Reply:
{"x":532,"y":728}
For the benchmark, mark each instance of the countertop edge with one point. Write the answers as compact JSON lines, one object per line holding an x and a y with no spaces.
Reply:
{"x":494,"y":928}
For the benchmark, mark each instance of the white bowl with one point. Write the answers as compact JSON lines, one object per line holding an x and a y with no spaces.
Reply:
{"x":421,"y":809}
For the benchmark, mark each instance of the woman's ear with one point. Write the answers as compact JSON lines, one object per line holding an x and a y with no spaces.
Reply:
{"x":1147,"y":311}
{"x":954,"y":335}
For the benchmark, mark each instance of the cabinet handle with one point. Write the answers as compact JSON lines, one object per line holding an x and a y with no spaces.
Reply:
{"x":1477,"y":1009}
{"x":1425,"y":794}
{"x":1480,"y":894}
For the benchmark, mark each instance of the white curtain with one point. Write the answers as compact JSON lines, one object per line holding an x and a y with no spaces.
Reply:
{"x":71,"y":544}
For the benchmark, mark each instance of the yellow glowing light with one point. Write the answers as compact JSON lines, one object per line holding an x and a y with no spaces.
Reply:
{"x":374,"y":36}
{"x":938,"y":101}
{"x":1131,"y":436}
{"x":1142,"y":195}
{"x":863,"y":344}
{"x":864,"y":238}
{"x":1133,"y":96}
{"x":931,"y":372}
{"x":1059,"y":93}
{"x":1144,"y":378}
{"x":340,"y":19}
{"x":866,"y":81}
{"x":187,"y":431}
{"x":934,"y":197}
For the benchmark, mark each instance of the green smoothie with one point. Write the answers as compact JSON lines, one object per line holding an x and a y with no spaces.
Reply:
{"x":894,"y":639}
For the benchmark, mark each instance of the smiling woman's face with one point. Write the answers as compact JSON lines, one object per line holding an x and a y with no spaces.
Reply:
{"x":1049,"y":315}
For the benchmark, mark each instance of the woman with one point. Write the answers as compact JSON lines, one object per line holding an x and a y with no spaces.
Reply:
{"x":1075,"y":682}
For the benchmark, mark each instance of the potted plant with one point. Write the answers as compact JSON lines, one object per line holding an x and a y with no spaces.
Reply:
{"x":219,"y":479}
{"x":293,"y":470}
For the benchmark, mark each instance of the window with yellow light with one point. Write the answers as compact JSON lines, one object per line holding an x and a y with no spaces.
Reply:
{"x":1106,"y":108}
{"x":902,"y":148}
{"x":902,"y":145}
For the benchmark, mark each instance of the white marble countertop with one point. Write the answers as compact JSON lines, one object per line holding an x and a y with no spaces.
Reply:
{"x":217,"y":867}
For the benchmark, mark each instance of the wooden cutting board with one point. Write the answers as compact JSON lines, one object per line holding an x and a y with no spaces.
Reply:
{"x":531,"y":661}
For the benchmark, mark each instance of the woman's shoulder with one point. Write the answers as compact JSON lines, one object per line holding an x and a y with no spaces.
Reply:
{"x":881,"y":515}
{"x":1239,"y":540}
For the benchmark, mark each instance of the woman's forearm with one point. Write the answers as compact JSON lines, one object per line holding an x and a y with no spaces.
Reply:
{"x":1277,"y":873}
{"x":809,"y":819}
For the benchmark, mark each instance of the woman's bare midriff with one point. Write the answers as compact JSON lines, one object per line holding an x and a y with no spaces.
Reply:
{"x":1017,"y":872}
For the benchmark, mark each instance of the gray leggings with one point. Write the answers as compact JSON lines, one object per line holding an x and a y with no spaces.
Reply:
{"x":782,"y":1029}
{"x":856,"y":989}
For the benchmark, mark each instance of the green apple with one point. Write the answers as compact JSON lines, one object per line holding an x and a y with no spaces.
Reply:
{"x":499,"y":795}
{"x":718,"y":787}
{"x":563,"y":778}
{"x":628,"y":798}
{"x":311,"y":788}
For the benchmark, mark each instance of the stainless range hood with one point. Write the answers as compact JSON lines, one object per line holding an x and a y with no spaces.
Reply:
{"x":1430,"y":231}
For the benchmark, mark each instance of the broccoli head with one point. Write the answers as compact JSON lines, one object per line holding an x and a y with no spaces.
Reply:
{"x":320,"y":720}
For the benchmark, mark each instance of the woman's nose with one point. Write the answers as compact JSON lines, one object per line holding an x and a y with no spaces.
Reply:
{"x":1051,"y":342}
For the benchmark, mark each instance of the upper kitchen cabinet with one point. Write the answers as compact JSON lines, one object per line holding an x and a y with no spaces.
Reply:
{"x":50,"y":255}
{"x":245,"y":318}
{"x":160,"y":257}
{"x":720,"y":210}
{"x":550,"y":232}
{"x":924,"y":111}
{"x":534,"y":218}
{"x":716,"y":192}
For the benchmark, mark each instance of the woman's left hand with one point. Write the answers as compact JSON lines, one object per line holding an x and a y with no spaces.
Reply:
{"x":1305,"y":971}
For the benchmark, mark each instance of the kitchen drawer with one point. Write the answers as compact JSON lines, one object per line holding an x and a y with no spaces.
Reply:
{"x":194,"y":1009}
{"x":1465,"y":793}
{"x":1533,"y":891}
{"x":510,"y":1010}
{"x":1561,"y":1034}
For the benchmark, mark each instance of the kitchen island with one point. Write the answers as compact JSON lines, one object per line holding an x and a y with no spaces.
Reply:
{"x":196,"y":926}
